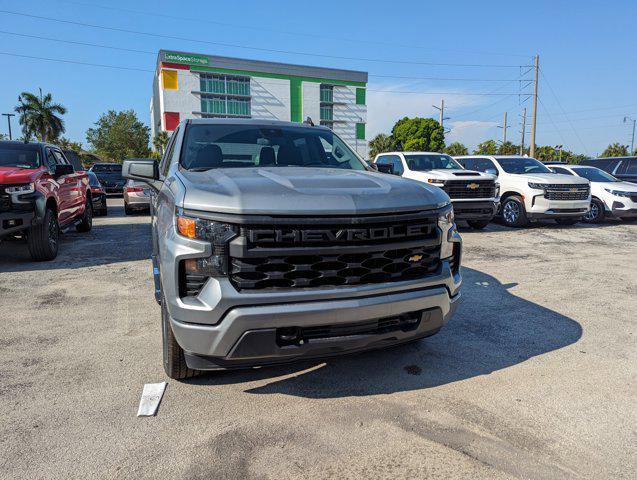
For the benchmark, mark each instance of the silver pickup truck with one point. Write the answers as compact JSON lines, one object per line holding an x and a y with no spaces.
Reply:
{"x":275,"y":242}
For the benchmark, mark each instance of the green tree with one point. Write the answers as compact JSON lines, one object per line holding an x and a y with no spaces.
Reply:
{"x":456,"y":149}
{"x":39,"y":116}
{"x":381,"y":143}
{"x":615,"y":150}
{"x":546,"y":153}
{"x":488,"y":147}
{"x":508,"y":148}
{"x":418,"y":134}
{"x":160,"y":141}
{"x":119,"y":135}
{"x":67,"y":144}
{"x":3,"y":137}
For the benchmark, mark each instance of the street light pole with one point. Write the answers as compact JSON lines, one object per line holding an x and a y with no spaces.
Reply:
{"x":9,"y":115}
{"x":632,"y":141}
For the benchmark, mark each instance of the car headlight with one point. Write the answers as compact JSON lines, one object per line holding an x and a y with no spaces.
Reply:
{"x":217,"y":233}
{"x":21,"y":188}
{"x":446,"y":223}
{"x":436,"y":181}
{"x":538,"y":186}
{"x":619,"y":193}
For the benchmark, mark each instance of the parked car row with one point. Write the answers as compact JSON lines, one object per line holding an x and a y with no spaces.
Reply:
{"x":520,"y":189}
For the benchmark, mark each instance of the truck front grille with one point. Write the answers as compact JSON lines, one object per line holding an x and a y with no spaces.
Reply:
{"x":335,"y":252}
{"x":457,"y":189}
{"x":567,"y":192}
{"x":5,"y":203}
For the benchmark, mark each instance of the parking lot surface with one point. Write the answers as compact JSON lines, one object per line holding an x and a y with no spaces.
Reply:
{"x":535,"y":377}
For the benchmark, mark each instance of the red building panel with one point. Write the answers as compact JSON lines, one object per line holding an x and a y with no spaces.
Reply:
{"x":171,"y":120}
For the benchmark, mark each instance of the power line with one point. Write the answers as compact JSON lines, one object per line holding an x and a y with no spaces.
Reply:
{"x":111,"y":47}
{"x":261,"y":49}
{"x":552,"y":122}
{"x":275,"y":30}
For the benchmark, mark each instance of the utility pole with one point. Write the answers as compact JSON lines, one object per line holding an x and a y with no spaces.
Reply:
{"x":442,"y":113}
{"x":9,"y":115}
{"x":523,"y":131}
{"x":534,"y":120}
{"x":504,"y":129}
{"x":632,"y":142}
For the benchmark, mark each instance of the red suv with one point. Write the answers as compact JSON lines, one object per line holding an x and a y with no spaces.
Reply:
{"x":41,"y":194}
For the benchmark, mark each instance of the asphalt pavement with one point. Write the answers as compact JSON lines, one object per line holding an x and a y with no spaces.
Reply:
{"x":535,"y":377}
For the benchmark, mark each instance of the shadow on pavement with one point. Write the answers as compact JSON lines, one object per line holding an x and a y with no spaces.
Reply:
{"x":492,"y":330}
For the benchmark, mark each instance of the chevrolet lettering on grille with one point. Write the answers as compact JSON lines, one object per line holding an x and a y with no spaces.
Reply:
{"x":335,"y":235}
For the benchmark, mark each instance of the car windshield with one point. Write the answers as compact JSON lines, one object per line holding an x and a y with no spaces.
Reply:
{"x":108,"y":168}
{"x":522,"y":165}
{"x":20,"y":156}
{"x":421,"y":163}
{"x":244,"y":146}
{"x":595,"y":174}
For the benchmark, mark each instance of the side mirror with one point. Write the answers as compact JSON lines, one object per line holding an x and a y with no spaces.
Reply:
{"x":60,"y":170}
{"x":373,"y":166}
{"x":384,"y":168}
{"x":144,"y":169}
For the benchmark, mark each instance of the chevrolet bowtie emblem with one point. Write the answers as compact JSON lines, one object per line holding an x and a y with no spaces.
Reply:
{"x":415,"y":258}
{"x":473,"y":186}
{"x":573,"y":189}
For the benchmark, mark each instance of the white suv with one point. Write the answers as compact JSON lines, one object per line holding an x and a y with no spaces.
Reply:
{"x":610,"y":196}
{"x":530,"y":191}
{"x":474,"y":195}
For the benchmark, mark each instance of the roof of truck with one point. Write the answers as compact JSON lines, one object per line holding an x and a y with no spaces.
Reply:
{"x":250,"y":121}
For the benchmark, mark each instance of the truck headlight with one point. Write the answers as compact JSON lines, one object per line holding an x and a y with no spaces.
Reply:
{"x":20,"y":189}
{"x":436,"y":181}
{"x":446,"y":223}
{"x":538,"y":186}
{"x":217,"y":233}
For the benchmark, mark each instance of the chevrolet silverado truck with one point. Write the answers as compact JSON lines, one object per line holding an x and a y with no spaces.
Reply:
{"x":274,"y":242}
{"x":474,"y":195}
{"x":40,"y":195}
{"x":530,"y":191}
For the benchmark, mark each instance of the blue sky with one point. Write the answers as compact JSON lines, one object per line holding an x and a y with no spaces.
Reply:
{"x":587,"y":56}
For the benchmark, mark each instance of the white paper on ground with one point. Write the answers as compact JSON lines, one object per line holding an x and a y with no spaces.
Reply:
{"x":151,"y":396}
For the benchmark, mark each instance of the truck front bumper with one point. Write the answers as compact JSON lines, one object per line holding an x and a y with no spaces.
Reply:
{"x":541,"y":208}
{"x":475,"y":209}
{"x":15,"y":221}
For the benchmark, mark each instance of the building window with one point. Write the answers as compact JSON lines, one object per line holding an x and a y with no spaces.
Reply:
{"x":224,"y":84}
{"x":216,"y":105}
{"x":327,"y":94}
{"x":327,"y":113}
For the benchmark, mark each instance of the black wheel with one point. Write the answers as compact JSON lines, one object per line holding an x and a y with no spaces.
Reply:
{"x":174,"y":360}
{"x":478,"y":224}
{"x":104,"y":211}
{"x":596,"y":214}
{"x":514,"y":213}
{"x":568,"y":221}
{"x":87,"y":217}
{"x":42,"y":239}
{"x":128,"y":210}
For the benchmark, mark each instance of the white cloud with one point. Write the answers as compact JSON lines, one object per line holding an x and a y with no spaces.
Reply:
{"x":471,"y":132}
{"x":385,"y":108}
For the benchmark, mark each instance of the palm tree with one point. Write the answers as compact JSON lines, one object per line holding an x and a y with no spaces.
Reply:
{"x":160,"y":141}
{"x":381,"y":143}
{"x":39,"y":116}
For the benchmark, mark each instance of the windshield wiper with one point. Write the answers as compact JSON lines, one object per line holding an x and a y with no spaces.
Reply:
{"x":200,"y":169}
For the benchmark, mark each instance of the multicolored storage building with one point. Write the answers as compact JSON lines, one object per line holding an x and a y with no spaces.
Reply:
{"x":193,"y":85}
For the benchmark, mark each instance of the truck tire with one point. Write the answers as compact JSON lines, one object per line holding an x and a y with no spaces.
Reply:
{"x":87,"y":217}
{"x":478,"y":224}
{"x":42,"y":239}
{"x":127,"y":210}
{"x":568,"y":221}
{"x":174,"y":360}
{"x":514,"y":212}
{"x":596,"y":214}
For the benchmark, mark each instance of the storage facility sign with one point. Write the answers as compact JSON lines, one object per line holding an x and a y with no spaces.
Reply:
{"x":186,"y":58}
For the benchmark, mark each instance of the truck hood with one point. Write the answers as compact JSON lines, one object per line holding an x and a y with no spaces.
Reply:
{"x":451,"y":174}
{"x":305,"y":190}
{"x":12,"y":175}
{"x":553,"y":178}
{"x":619,"y":186}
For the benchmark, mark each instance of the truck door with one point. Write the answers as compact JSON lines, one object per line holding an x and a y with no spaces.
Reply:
{"x":61,"y":189}
{"x":73,"y":185}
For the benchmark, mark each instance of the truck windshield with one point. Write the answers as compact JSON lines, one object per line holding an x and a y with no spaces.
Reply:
{"x":522,"y":165}
{"x":595,"y":174}
{"x":243,"y":146}
{"x":421,"y":163}
{"x":19,"y":156}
